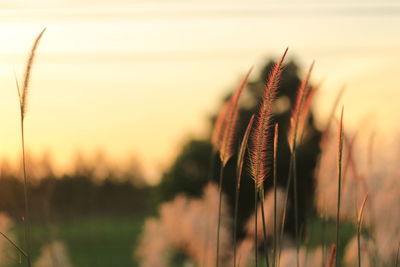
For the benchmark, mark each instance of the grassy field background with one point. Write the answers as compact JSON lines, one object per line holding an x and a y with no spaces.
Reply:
{"x":110,"y":241}
{"x":90,"y":241}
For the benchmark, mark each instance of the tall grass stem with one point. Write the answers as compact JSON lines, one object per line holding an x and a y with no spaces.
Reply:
{"x":221,"y":177}
{"x":275,"y":235}
{"x":261,"y":191}
{"x":340,"y":150}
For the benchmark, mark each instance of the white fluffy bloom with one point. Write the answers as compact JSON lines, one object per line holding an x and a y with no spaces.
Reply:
{"x":188,"y":225}
{"x":53,"y":254}
{"x":367,"y":250}
{"x":309,"y":258}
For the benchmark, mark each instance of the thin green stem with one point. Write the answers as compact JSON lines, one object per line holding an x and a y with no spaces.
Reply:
{"x":339,"y":186}
{"x":296,"y":208}
{"x":323,"y":237}
{"x":275,"y":228}
{"x":211,"y":166}
{"x":14,"y":245}
{"x":261,"y":191}
{"x":338,"y":218}
{"x":255,"y":224}
{"x":358,"y":246}
{"x":26,"y":198}
{"x":221,"y":177}
{"x":285,"y":205}
{"x":235,"y":217}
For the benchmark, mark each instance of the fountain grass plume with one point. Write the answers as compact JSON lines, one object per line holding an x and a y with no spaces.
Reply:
{"x":304,"y":97}
{"x":239,"y":168}
{"x":22,"y":94}
{"x":242,"y":151}
{"x":28,"y":69}
{"x":219,"y":126}
{"x":304,"y":92}
{"x":230,"y":130}
{"x":305,"y":114}
{"x":260,"y":141}
{"x":340,"y":151}
{"x":226,"y":136}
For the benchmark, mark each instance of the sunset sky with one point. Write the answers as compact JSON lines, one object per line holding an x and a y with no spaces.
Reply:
{"x":138,"y":77}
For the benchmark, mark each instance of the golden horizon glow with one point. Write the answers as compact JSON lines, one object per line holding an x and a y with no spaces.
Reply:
{"x":110,"y":79}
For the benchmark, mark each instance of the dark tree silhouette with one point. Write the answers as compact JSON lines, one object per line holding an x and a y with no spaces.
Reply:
{"x":191,"y":170}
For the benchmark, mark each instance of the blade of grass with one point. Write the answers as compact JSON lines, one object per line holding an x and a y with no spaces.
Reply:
{"x":211,"y":166}
{"x":13,"y":244}
{"x":255,"y":225}
{"x":240,"y":160}
{"x":296,"y":210}
{"x":262,"y":135}
{"x":285,"y":206}
{"x":333,"y":255}
{"x":22,"y":94}
{"x":274,"y":185}
{"x":305,"y":94}
{"x":359,"y":222}
{"x":302,"y":94}
{"x":221,"y":178}
{"x":261,"y":192}
{"x":340,"y":150}
{"x":229,"y":132}
{"x":226,"y":148}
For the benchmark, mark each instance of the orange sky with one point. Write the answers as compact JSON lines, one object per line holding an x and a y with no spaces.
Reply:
{"x":139,"y":78}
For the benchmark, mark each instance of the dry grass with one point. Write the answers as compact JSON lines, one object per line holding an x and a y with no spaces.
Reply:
{"x":22,"y":93}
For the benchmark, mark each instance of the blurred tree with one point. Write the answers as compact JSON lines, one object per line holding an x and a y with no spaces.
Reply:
{"x":191,"y":170}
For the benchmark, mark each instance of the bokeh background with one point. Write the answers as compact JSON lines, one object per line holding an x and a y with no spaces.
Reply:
{"x":122,"y":91}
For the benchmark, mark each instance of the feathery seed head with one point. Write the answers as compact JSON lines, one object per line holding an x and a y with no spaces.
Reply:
{"x":260,"y":152}
{"x":232,"y":119}
{"x":303,"y":93}
{"x":25,"y":86}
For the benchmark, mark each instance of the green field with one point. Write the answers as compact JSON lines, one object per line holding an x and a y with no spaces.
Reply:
{"x":111,"y":241}
{"x":90,"y":241}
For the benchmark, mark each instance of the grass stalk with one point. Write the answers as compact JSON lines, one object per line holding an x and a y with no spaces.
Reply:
{"x":13,"y":244}
{"x":255,"y":225}
{"x":285,"y":205}
{"x":262,"y":137}
{"x":240,"y":161}
{"x":323,"y":237}
{"x":275,"y":236}
{"x":359,"y":223}
{"x":299,"y":113}
{"x":22,"y":95}
{"x":296,"y":209}
{"x":261,"y":192}
{"x":27,"y":216}
{"x":332,"y":256}
{"x":235,"y":222}
{"x":211,"y":166}
{"x":221,"y":178}
{"x":340,"y":150}
{"x":225,"y":138}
